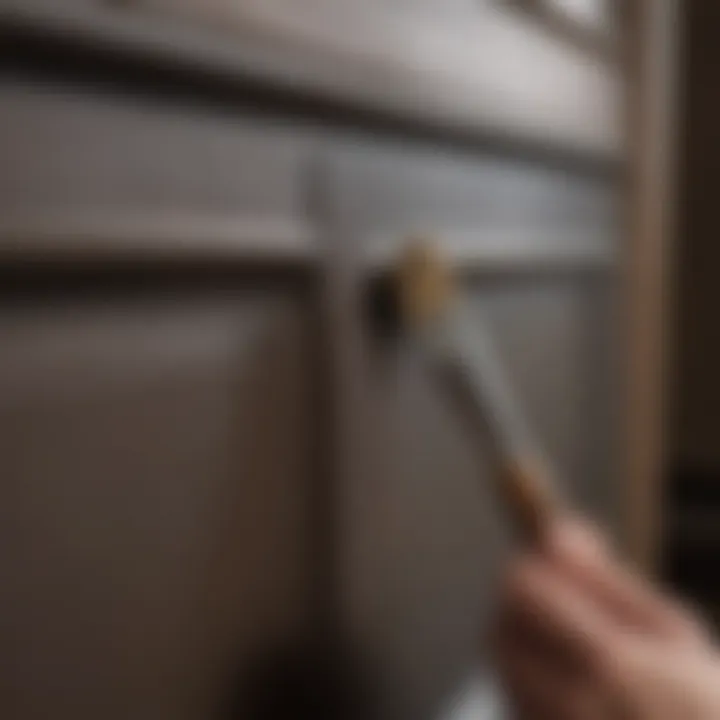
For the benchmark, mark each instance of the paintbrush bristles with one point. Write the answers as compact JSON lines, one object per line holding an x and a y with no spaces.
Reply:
{"x":425,"y":284}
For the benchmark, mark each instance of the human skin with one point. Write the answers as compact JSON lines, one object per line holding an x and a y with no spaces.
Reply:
{"x":581,"y":636}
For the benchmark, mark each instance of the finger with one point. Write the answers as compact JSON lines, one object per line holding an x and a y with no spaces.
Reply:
{"x":538,"y":690}
{"x":520,"y":628}
{"x":543,"y":604}
{"x":634,"y":602}
{"x":575,"y":539}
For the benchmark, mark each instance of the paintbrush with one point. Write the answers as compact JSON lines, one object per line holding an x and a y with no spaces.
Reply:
{"x":420,"y":301}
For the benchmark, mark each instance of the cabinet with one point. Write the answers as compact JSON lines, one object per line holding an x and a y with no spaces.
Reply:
{"x":204,"y":446}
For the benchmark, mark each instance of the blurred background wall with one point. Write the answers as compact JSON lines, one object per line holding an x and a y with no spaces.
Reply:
{"x":692,"y":547}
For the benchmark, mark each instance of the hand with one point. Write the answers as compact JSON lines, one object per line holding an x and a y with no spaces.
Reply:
{"x":580,"y":637}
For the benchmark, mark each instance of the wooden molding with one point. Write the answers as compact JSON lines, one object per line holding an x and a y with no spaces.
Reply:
{"x":479,"y":74}
{"x":487,"y":249}
{"x":107,"y":237}
{"x":650,"y":101}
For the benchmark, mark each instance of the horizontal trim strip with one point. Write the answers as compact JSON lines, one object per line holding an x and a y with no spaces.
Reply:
{"x":157,"y":237}
{"x":276,"y":242}
{"x":490,"y":249}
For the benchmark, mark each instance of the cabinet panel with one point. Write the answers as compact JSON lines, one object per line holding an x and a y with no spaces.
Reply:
{"x":423,"y":533}
{"x":156,"y":454}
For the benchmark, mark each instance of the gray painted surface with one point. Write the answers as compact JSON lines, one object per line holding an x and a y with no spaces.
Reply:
{"x":167,"y":403}
{"x":421,"y":535}
{"x":156,"y":458}
{"x":68,"y":151}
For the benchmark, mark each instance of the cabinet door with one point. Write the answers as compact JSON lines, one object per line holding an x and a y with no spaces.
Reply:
{"x":421,"y":535}
{"x":155,"y":459}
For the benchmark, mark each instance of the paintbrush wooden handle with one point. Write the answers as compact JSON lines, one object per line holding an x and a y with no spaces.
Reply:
{"x":528,"y":495}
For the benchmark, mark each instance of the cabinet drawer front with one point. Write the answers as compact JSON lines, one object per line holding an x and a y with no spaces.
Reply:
{"x":73,"y":152}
